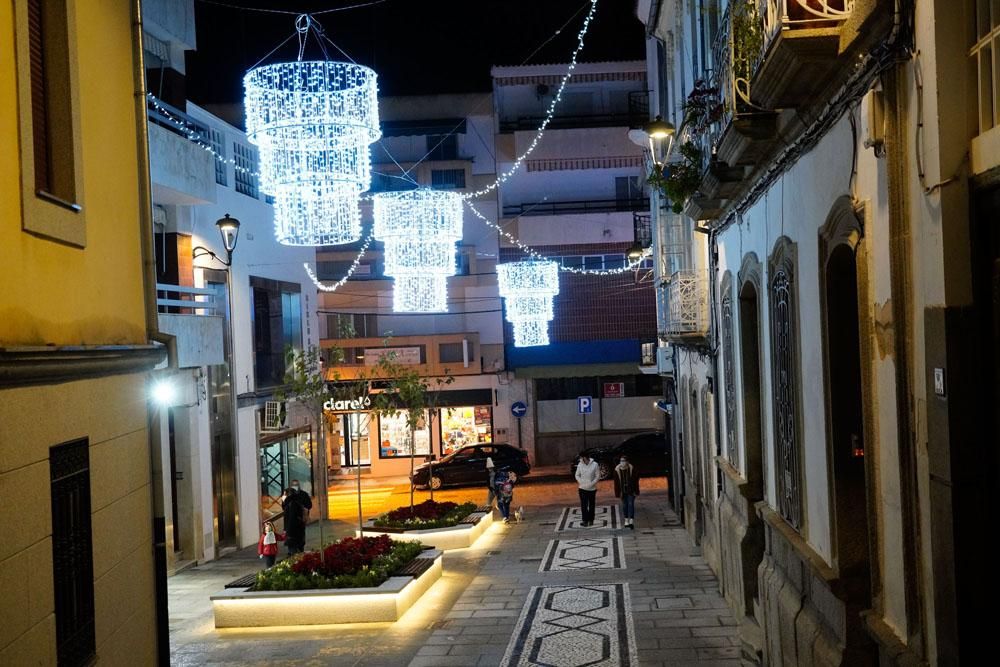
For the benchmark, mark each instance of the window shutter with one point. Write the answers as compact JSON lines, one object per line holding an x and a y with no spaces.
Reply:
{"x":39,"y":105}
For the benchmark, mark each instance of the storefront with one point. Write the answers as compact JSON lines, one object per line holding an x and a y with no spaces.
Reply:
{"x":383,"y":444}
{"x":283,"y":457}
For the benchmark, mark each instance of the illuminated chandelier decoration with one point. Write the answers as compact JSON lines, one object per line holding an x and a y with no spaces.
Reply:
{"x":419,"y":229}
{"x":312,"y":122}
{"x":527,"y":288}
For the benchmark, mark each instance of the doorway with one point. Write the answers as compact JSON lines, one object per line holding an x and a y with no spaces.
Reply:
{"x":352,"y":440}
{"x":753,"y":439}
{"x":220,"y":396}
{"x":846,"y":447}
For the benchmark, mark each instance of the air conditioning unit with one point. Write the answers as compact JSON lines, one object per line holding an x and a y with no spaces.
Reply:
{"x":274,"y":416}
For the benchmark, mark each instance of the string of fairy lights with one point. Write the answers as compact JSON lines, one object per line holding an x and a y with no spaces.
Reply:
{"x":313,"y":122}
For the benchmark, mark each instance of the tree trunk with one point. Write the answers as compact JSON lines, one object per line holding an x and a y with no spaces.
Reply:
{"x":323,"y":496}
{"x":413,"y":454}
{"x":361,"y":521}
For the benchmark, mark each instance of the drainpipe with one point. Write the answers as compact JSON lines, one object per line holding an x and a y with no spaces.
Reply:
{"x":145,"y":215}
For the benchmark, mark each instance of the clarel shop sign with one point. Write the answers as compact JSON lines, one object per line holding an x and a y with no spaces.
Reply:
{"x":347,"y":405}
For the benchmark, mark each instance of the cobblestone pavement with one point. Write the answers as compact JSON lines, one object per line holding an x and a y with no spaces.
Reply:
{"x":469,"y":617}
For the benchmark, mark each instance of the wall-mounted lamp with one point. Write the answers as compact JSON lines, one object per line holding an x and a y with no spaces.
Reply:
{"x":229,"y":230}
{"x":659,"y":131}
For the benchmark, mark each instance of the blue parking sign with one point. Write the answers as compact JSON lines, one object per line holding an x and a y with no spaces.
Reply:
{"x":585,"y":404}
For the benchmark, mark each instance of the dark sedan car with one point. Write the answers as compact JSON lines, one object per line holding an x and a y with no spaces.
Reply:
{"x":647,"y":452}
{"x":467,"y":466}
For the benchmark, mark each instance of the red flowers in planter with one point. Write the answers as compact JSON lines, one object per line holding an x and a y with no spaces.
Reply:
{"x":427,"y":510}
{"x":347,"y":556}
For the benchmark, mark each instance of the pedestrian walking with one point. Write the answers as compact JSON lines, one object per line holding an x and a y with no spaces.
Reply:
{"x":295,"y":503}
{"x":267,"y":545}
{"x":627,"y":488}
{"x":587,"y":474}
{"x":490,"y":480}
{"x":504,"y":481}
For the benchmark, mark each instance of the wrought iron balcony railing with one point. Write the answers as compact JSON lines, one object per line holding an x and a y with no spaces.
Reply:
{"x":687,"y":306}
{"x":776,"y":15}
{"x":566,"y":207}
{"x":642,"y":229}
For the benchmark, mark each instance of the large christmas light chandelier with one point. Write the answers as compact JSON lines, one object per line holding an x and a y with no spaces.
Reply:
{"x":419,"y":229}
{"x":527,"y":288}
{"x":312,"y":122}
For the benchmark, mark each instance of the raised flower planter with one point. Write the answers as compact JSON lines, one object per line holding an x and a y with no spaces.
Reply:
{"x":369,"y":580}
{"x":445,"y":526}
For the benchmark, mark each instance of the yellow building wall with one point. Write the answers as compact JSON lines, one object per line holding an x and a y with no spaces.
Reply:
{"x":52,"y":293}
{"x":111,"y":413}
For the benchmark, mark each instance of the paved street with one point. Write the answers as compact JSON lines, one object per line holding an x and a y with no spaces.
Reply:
{"x":494,"y":606}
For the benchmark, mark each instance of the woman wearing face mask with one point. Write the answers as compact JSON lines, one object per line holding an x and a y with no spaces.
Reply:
{"x":627,"y":488}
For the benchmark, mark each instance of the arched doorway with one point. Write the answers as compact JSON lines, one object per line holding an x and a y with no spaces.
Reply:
{"x":753,"y":433}
{"x":846,"y":438}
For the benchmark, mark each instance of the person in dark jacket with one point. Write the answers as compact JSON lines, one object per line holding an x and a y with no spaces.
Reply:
{"x":295,"y":503}
{"x":627,"y":488}
{"x":504,"y":481}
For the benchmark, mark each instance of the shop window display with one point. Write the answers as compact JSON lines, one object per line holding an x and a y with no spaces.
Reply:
{"x":465,"y":426}
{"x":394,"y":437}
{"x":281,"y":461}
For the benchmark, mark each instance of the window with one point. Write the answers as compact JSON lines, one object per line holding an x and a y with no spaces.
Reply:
{"x":614,"y":261}
{"x":465,"y":426}
{"x":51,"y":106}
{"x":451,"y":353}
{"x":352,"y":325}
{"x":245,"y":168}
{"x":784,"y":384}
{"x":283,"y":459}
{"x":390,"y":182}
{"x":572,"y":262}
{"x":986,"y":43}
{"x":215,"y":139}
{"x":593,"y":262}
{"x":72,"y":553}
{"x":729,"y":370}
{"x":627,"y":190}
{"x":442,"y":147}
{"x":277,"y":324}
{"x":463,"y":262}
{"x":394,"y":437}
{"x":445,"y":179}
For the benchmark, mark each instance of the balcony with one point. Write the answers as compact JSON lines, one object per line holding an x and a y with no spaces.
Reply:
{"x":800,"y":45}
{"x":687,"y":320}
{"x":181,"y":171}
{"x":569,"y":207}
{"x":642,"y":229}
{"x":193,"y":316}
{"x":431,"y":355}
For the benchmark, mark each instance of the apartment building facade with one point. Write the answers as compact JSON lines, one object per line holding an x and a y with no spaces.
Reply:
{"x":231,"y":317}
{"x":827,"y":314}
{"x":580,"y":199}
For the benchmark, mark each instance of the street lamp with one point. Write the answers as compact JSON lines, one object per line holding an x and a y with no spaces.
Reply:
{"x":659,"y":130}
{"x":229,"y":230}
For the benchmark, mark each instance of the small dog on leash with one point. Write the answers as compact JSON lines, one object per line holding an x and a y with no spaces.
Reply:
{"x":519,"y":514}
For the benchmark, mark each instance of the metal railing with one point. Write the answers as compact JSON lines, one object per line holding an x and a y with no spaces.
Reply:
{"x":531,"y":123}
{"x":185,"y":300}
{"x":562,"y":207}
{"x":776,"y":15}
{"x":642,"y":229}
{"x":687,"y":307}
{"x":174,"y":120}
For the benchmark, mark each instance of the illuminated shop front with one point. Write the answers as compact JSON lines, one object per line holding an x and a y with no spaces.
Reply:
{"x":382,"y":446}
{"x":461,"y":426}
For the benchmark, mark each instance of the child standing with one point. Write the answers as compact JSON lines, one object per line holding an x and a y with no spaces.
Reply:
{"x":267,"y":545}
{"x":504,"y":481}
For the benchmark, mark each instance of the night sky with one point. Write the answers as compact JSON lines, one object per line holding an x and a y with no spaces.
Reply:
{"x":416,"y":46}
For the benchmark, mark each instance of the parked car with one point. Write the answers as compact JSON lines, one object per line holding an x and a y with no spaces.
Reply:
{"x":467,"y":466}
{"x":647,"y":452}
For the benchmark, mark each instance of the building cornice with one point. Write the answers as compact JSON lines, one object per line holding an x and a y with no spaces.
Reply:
{"x":25,"y":366}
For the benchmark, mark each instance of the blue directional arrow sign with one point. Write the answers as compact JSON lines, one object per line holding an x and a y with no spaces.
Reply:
{"x":518,"y":409}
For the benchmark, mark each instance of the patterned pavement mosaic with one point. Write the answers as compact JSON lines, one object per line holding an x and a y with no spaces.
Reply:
{"x":572,"y":626}
{"x":600,"y":553}
{"x":605,"y":516}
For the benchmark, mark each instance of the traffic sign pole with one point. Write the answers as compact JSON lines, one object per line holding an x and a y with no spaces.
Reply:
{"x":584,"y":430}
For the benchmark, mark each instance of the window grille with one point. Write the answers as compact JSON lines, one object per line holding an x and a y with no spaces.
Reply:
{"x":72,"y":553}
{"x":447,"y":179}
{"x":729,"y":372}
{"x":784,"y":378}
{"x":245,"y":162}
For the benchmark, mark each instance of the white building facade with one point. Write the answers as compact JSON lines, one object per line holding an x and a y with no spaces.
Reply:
{"x":824,"y":288}
{"x":227,"y":469}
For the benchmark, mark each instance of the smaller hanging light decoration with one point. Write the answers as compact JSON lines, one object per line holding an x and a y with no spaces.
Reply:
{"x":419,"y":229}
{"x":527,"y":288}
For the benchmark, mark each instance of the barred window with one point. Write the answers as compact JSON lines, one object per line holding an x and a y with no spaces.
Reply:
{"x":729,"y":371}
{"x":784,"y":383}
{"x":215,"y":138}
